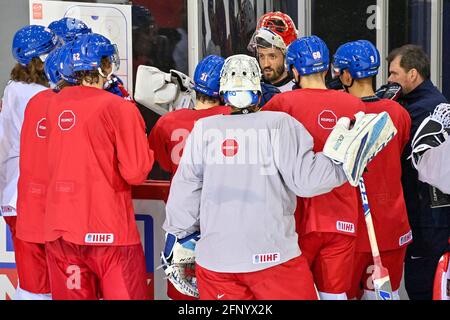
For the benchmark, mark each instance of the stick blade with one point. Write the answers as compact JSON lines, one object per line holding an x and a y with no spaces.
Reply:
{"x":382,"y":284}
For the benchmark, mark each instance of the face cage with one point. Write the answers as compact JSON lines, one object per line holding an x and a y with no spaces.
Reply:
{"x":115,"y":59}
{"x":336,"y":72}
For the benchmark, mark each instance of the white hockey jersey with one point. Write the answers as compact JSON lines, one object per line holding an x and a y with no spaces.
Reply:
{"x":237,"y":183}
{"x":15,"y":100}
{"x":434,"y":167}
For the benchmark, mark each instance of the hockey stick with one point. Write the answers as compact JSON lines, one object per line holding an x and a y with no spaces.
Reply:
{"x":380,"y":276}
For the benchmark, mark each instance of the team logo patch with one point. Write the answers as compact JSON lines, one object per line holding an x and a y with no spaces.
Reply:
{"x":66,"y":120}
{"x":230,"y":148}
{"x":327,"y":119}
{"x":99,"y":238}
{"x":347,"y":227}
{"x":405,"y":239}
{"x":41,"y":128}
{"x":266,"y":258}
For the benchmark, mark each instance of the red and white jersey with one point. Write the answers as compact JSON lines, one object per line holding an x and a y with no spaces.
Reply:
{"x":168,"y":137}
{"x":33,"y":177}
{"x":97,"y":149}
{"x":384,"y":185}
{"x":15,"y":99}
{"x":318,"y":110}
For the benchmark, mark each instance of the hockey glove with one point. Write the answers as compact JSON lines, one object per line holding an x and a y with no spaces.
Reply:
{"x":356,"y":147}
{"x":178,"y":262}
{"x":115,"y":86}
{"x":391,"y":91}
{"x":431,"y":133}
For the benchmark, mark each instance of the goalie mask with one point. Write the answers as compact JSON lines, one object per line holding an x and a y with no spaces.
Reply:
{"x":267,"y":39}
{"x":240,"y":82}
{"x":281,"y":24}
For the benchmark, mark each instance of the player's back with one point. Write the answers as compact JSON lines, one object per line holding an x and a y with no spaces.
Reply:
{"x":251,"y":168}
{"x":384,"y":185}
{"x":318,"y":110}
{"x":97,"y":149}
{"x":33,"y":177}
{"x":168,"y":137}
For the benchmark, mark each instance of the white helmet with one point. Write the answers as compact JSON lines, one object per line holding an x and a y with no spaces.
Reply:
{"x":240,"y":81}
{"x":266,"y":38}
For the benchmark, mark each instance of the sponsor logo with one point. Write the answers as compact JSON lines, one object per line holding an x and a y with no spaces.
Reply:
{"x":405,"y":238}
{"x":41,"y":128}
{"x":345,"y":227}
{"x":37,"y":11}
{"x":65,"y":187}
{"x":99,"y":238}
{"x":35,"y":188}
{"x":66,"y":120}
{"x":220,"y":296}
{"x":230,"y":148}
{"x":327,"y":119}
{"x":266,"y":258}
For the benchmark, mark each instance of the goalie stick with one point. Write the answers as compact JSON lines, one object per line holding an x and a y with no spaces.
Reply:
{"x":380,"y":276}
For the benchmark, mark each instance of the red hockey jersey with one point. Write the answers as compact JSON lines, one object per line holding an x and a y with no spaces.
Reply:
{"x":318,"y":110}
{"x":168,"y":136}
{"x":384,"y":185}
{"x":97,"y":149}
{"x":33,"y":176}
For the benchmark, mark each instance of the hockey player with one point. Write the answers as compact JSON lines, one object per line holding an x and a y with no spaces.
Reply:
{"x":430,"y":152}
{"x":357,"y":63}
{"x":30,"y":45}
{"x":236,"y":184}
{"x":274,"y":33}
{"x":326,"y":224}
{"x":168,"y":136}
{"x":32,"y":184}
{"x":68,"y":29}
{"x":97,"y":149}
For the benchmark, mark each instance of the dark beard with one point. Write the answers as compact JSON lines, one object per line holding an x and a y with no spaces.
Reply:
{"x":276,"y":75}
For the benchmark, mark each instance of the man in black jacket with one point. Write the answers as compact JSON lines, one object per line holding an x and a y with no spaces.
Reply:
{"x":410,"y":67}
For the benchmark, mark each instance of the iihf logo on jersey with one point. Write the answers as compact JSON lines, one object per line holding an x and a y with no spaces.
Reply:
{"x":266,"y":258}
{"x":99,"y":238}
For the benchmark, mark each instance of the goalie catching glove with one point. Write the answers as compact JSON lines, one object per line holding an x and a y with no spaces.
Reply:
{"x":178,"y":262}
{"x":431,"y":133}
{"x":354,"y":148}
{"x":163,"y":92}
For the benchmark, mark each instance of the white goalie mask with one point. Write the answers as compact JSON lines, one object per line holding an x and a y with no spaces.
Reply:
{"x":240,"y":81}
{"x":266,"y":38}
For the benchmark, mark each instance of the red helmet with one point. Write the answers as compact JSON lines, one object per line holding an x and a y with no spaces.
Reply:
{"x":281,"y":24}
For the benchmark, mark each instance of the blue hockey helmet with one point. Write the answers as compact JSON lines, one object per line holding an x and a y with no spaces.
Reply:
{"x":207,"y":75}
{"x":308,"y":55}
{"x":32,"y":41}
{"x":361,"y":58}
{"x":85,"y":54}
{"x":51,"y":66}
{"x":67,"y":29}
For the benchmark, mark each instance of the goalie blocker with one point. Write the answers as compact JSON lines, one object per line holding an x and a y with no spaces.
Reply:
{"x":356,"y":147}
{"x":178,"y":263}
